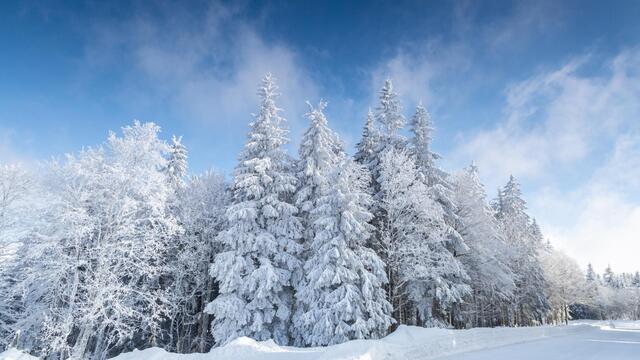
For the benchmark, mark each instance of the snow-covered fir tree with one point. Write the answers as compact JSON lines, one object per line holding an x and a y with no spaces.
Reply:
{"x":176,"y":168}
{"x":261,"y":237}
{"x":590,"y":275}
{"x":524,"y":242}
{"x":367,"y":148}
{"x":319,"y":153}
{"x":115,"y":247}
{"x":342,"y":296}
{"x":422,"y":271}
{"x":440,"y":186}
{"x":389,"y":116}
{"x":486,"y":262}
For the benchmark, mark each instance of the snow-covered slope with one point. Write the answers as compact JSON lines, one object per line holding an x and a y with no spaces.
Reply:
{"x":407,"y":342}
{"x":13,"y":354}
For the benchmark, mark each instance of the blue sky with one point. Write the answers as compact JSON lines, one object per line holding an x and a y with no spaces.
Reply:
{"x":546,"y":90}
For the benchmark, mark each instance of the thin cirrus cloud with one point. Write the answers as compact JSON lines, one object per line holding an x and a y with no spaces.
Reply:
{"x":203,"y":67}
{"x":577,"y":132}
{"x":606,"y":211}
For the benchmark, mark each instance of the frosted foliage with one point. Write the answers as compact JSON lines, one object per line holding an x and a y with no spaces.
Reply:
{"x":319,"y":153}
{"x":341,"y":296}
{"x":524,"y":244}
{"x":261,"y":237}
{"x":90,"y":268}
{"x":421,"y":268}
{"x":422,"y":130}
{"x":368,"y":145}
{"x":116,"y":247}
{"x":389,"y":112}
{"x":486,"y":262}
{"x":177,"y":163}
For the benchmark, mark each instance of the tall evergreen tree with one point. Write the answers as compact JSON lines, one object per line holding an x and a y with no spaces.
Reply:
{"x":367,"y":148}
{"x":609,"y":277}
{"x":486,"y":262}
{"x":389,"y":117}
{"x":320,"y":151}
{"x":342,"y":296}
{"x":176,"y":168}
{"x":524,"y":241}
{"x":422,"y":130}
{"x":439,"y":183}
{"x":591,"y":275}
{"x":261,"y":238}
{"x":422,"y":271}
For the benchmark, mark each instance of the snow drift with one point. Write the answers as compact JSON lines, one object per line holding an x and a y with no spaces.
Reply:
{"x":407,"y":342}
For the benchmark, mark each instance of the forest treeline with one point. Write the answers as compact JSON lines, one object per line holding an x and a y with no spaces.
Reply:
{"x":116,"y":247}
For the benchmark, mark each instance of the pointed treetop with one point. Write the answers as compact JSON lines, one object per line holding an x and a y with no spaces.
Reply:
{"x":473,"y":168}
{"x":268,"y":90}
{"x":177,"y":163}
{"x":369,"y":142}
{"x":370,"y":118}
{"x":389,"y":112}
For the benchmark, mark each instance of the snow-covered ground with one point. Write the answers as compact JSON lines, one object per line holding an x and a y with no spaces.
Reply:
{"x":580,"y":340}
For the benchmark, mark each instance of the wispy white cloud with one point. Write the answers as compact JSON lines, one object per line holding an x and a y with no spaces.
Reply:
{"x":579,"y":124}
{"x":206,"y":65}
{"x":605,"y":211}
{"x":420,"y":70}
{"x":556,"y":119}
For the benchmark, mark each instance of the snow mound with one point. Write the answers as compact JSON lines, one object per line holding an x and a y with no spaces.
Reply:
{"x":14,"y":354}
{"x":407,"y":342}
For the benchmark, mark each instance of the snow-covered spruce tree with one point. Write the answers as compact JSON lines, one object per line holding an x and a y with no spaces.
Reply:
{"x":609,"y":277}
{"x":422,"y":271}
{"x":438,"y":180}
{"x":261,"y":238}
{"x":486,"y":262}
{"x":389,"y":116}
{"x":319,"y":153}
{"x":366,"y":149}
{"x":422,"y":130}
{"x":441,"y":190}
{"x":530,"y":300}
{"x":342,"y":295}
{"x":381,"y":131}
{"x":176,"y":168}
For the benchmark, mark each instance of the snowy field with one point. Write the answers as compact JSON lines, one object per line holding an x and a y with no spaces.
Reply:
{"x":581,"y":340}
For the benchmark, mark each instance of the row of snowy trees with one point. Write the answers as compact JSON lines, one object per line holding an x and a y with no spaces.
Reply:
{"x":115,"y":248}
{"x":111,"y":251}
{"x":608,"y":296}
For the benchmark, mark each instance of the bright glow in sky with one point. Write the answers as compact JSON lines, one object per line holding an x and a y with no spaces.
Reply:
{"x":548,"y":90}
